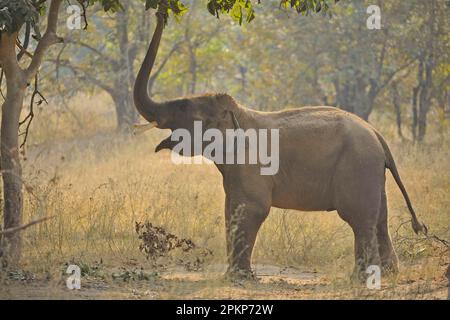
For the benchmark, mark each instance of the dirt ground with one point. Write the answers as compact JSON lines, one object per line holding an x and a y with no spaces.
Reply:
{"x":273,"y":283}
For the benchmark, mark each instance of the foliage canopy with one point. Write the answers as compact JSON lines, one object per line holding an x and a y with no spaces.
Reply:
{"x":15,"y":13}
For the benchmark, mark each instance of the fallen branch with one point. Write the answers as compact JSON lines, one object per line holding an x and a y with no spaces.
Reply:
{"x":25,"y":226}
{"x":426,"y":237}
{"x":440,"y":240}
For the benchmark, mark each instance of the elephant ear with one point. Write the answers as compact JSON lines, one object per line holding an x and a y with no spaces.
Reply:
{"x":224,"y":120}
{"x":224,"y":117}
{"x":235,"y":121}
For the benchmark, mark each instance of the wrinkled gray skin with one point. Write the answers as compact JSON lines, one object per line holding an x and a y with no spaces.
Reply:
{"x":329,"y":160}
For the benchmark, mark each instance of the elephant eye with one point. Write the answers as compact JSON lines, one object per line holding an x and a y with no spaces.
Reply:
{"x":183,"y":108}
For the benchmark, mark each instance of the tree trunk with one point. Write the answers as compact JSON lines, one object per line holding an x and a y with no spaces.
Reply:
{"x":10,"y":164}
{"x":425,"y":98}
{"x":352,"y":97}
{"x":363,"y":105}
{"x":422,"y":97}
{"x":125,"y":112}
{"x":192,"y":70}
{"x":16,"y":84}
{"x":423,"y":111}
{"x":425,"y":77}
{"x":397,"y":108}
{"x":243,"y":73}
{"x":414,"y":112}
{"x":344,"y":97}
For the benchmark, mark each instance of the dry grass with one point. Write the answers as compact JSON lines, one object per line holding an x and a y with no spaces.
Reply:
{"x":99,"y":184}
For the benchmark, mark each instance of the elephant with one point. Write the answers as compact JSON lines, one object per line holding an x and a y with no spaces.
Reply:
{"x":329,"y":160}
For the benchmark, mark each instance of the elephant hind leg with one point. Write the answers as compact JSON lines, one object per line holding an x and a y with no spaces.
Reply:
{"x":363,"y":221}
{"x":389,"y":260}
{"x":366,"y":250}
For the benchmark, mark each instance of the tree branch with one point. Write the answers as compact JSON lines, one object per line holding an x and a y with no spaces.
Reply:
{"x":84,"y":6}
{"x":26,"y":42}
{"x":382,"y":56}
{"x":206,"y":38}
{"x":23,"y":51}
{"x":89,"y":77}
{"x":94,"y":50}
{"x":49,"y":38}
{"x":29,"y":118}
{"x":391,"y":75}
{"x":23,"y":227}
{"x":163,"y":63}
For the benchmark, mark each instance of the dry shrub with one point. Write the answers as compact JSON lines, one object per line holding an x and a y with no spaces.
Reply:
{"x":157,"y":243}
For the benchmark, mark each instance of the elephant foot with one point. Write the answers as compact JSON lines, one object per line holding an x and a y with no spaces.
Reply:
{"x":235,"y":274}
{"x":358,"y":277}
{"x":366,"y":276}
{"x":389,"y":267}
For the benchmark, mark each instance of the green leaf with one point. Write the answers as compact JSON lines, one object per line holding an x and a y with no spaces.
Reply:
{"x":250,"y":16}
{"x":211,"y":8}
{"x":151,"y":4}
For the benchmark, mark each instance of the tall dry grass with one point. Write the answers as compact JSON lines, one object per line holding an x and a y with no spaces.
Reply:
{"x":98,"y":184}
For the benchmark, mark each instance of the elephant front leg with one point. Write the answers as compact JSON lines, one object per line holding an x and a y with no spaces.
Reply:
{"x":243,"y":221}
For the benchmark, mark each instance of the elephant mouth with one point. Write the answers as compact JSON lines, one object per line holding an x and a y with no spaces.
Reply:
{"x":166,"y":143}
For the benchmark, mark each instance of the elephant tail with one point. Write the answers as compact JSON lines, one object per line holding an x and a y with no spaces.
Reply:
{"x":390,"y":164}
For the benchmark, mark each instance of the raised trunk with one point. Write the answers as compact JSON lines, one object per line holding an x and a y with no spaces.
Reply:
{"x":144,"y":104}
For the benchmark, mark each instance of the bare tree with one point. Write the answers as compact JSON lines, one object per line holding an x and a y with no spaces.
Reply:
{"x":17,"y":81}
